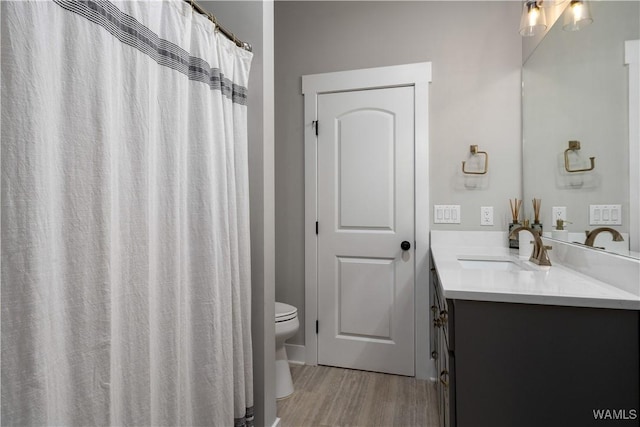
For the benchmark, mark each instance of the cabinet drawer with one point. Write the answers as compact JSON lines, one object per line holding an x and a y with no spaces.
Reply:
{"x":440,"y":311}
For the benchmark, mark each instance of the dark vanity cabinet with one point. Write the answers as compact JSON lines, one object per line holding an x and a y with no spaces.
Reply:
{"x":506,"y":364}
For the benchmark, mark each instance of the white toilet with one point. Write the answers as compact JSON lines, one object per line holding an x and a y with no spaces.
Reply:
{"x":286,"y":326}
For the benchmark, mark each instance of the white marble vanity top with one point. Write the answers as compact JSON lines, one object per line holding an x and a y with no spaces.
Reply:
{"x":555,"y":285}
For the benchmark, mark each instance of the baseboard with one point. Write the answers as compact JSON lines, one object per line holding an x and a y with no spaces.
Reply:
{"x":296,"y":353}
{"x":276,"y":423}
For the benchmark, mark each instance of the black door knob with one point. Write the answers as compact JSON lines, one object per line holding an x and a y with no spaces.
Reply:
{"x":405,"y":246}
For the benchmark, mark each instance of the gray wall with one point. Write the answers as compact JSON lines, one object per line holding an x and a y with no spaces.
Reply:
{"x":251,"y":21}
{"x":476,"y":54}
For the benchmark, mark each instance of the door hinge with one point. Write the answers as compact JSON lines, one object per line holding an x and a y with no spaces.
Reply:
{"x":316,"y":327}
{"x":315,"y":125}
{"x":316,"y":227}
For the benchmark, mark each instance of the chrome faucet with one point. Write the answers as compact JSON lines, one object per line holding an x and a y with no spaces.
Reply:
{"x":539,"y":255}
{"x":591,"y":235}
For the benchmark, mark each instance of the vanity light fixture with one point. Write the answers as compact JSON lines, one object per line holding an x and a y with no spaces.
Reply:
{"x":577,"y":16}
{"x":550,"y":3}
{"x":533,"y":21}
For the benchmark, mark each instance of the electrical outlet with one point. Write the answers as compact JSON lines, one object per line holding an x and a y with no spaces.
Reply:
{"x":558,"y":212}
{"x":486,"y":215}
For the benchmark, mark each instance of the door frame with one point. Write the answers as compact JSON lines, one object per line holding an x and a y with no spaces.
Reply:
{"x":418,"y":76}
{"x":632,"y":60}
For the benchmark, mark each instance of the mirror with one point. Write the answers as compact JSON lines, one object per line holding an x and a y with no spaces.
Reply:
{"x":576,"y":88}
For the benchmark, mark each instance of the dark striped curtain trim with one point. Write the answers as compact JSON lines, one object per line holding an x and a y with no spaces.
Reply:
{"x":131,"y":32}
{"x":246,"y":421}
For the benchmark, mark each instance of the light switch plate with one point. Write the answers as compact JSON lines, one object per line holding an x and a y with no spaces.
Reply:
{"x":605,"y":214}
{"x":446,"y":214}
{"x":486,"y":215}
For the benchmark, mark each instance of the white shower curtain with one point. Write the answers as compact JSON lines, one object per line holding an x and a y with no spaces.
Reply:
{"x":125,"y":217}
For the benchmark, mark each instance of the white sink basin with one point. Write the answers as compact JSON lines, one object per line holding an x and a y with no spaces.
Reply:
{"x":489,"y":265}
{"x":487,"y":262}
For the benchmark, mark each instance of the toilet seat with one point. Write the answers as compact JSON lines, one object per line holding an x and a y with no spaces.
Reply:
{"x":285,"y":312}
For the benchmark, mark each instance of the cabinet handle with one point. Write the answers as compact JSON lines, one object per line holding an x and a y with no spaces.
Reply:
{"x":444,"y":316}
{"x":434,"y":354}
{"x":444,"y":381}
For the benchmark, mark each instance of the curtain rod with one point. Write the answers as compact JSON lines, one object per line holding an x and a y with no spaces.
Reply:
{"x":212,"y":18}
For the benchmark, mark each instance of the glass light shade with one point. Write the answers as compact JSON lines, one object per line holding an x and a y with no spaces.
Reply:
{"x":533,"y":20}
{"x":577,"y":16}
{"x":550,"y":3}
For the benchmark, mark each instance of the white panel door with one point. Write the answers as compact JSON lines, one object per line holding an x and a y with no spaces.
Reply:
{"x":365,"y":212}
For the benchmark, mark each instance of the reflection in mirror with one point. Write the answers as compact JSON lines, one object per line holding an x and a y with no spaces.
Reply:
{"x":576,"y":88}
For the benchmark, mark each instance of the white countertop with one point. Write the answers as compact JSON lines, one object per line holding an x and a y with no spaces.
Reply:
{"x":555,"y":285}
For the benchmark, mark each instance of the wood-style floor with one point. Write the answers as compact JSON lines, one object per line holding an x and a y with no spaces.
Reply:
{"x":326,"y":396}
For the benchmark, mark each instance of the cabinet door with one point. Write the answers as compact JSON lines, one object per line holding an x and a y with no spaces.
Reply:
{"x":433,"y":298}
{"x":433,"y":304}
{"x":440,"y":349}
{"x":531,"y":365}
{"x":443,"y":380}
{"x":437,"y":333}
